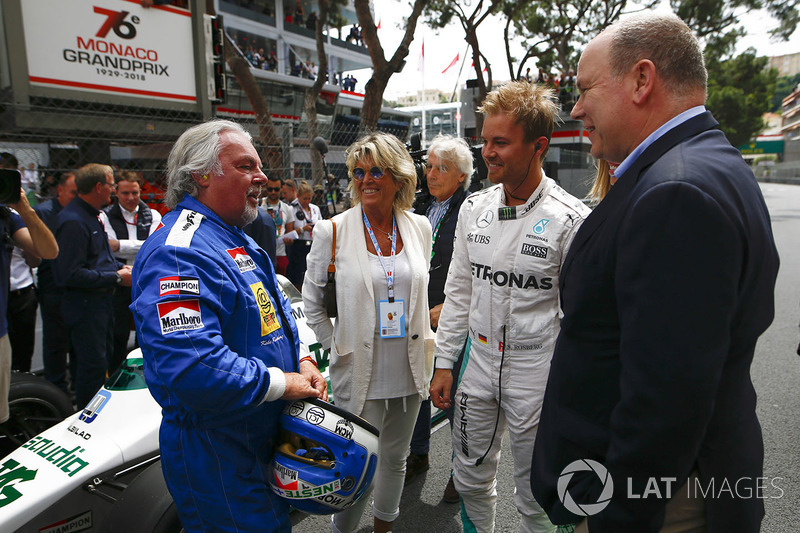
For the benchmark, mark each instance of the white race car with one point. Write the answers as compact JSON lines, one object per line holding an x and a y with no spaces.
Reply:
{"x":99,"y":469}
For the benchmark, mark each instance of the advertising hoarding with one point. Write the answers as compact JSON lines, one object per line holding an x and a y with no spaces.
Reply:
{"x":110,"y":47}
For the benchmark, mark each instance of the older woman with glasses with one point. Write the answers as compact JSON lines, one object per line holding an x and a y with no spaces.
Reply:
{"x":381,"y":342}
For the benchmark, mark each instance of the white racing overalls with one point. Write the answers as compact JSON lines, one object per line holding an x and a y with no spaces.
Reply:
{"x":502,"y":299}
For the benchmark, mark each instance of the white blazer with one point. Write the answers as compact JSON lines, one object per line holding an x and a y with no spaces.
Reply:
{"x":350,"y":337}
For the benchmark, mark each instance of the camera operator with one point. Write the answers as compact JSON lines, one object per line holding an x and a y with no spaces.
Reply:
{"x":306,"y":215}
{"x":449,"y":166}
{"x":26,"y":230}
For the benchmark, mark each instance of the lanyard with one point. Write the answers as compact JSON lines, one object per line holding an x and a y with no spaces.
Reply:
{"x":390,"y":271}
{"x":436,"y":234}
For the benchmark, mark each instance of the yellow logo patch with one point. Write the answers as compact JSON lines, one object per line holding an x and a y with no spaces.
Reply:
{"x":269,"y":319}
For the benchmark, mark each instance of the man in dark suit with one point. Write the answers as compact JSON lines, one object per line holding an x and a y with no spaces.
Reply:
{"x":665,"y":290}
{"x":89,"y":273}
{"x":262,"y":230}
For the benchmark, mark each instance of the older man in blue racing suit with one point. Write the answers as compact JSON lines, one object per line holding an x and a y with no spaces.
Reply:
{"x":220,"y":346}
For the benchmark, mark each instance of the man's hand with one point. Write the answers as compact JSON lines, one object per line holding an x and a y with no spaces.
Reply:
{"x":23,"y":206}
{"x":440,"y":387}
{"x":310,"y":371}
{"x":435,"y":312}
{"x":125,"y":272}
{"x":298,"y":387}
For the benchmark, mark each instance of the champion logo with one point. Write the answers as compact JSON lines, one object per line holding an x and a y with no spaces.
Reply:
{"x":182,"y":315}
{"x":177,"y":285}
{"x":242,"y":259}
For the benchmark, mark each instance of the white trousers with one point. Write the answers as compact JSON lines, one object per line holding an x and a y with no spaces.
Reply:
{"x":481,"y":404}
{"x":395,"y":419}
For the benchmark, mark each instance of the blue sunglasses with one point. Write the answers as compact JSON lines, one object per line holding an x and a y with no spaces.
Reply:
{"x":359,"y":173}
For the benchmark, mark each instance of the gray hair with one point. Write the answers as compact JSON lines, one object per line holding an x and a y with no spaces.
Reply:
{"x":390,"y":154}
{"x":665,"y":40}
{"x":454,"y":150}
{"x":196,"y":152}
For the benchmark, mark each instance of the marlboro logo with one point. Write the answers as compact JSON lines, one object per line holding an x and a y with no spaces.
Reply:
{"x":242,"y":259}
{"x":180,"y":316}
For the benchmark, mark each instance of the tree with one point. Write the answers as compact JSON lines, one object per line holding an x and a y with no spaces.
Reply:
{"x":382,"y":70}
{"x":739,"y":92}
{"x":240,"y":68}
{"x":739,"y":88}
{"x":718,"y":17}
{"x":784,"y":86}
{"x":441,"y":12}
{"x":553,"y":31}
{"x":328,"y":12}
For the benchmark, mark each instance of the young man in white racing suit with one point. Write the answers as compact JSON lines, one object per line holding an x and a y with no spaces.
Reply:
{"x":502,"y":300}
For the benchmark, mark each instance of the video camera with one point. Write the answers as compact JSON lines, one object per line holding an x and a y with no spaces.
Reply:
{"x":419,"y":157}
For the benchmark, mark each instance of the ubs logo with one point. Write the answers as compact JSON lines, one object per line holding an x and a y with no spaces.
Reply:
{"x":485,"y":219}
{"x":477,"y":238}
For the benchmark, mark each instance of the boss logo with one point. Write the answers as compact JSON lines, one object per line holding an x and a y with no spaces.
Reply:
{"x":533,"y":250}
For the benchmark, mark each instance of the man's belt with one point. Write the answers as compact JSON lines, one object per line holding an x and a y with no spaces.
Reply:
{"x":23,"y":290}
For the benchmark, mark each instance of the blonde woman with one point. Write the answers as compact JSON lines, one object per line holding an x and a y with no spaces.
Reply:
{"x":381,"y":343}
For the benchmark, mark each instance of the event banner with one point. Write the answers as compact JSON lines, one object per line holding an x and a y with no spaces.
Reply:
{"x":110,"y":46}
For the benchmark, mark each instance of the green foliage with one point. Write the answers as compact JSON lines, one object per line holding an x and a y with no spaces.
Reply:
{"x":553,"y":32}
{"x":739,"y":92}
{"x":783,"y":88}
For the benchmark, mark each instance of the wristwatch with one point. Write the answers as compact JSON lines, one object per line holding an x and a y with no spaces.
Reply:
{"x":118,"y":277}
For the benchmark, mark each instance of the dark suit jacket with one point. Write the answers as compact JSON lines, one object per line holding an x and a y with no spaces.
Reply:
{"x":666,"y":288}
{"x":262,"y":230}
{"x":442,"y":245}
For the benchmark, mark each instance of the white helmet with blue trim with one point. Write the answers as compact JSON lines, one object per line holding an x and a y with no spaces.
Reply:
{"x":325,"y":459}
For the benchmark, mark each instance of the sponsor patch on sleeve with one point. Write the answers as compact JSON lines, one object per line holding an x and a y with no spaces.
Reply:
{"x":178,"y":285}
{"x":242,"y":259}
{"x":182,"y":315}
{"x":183,"y":230}
{"x":269,"y":319}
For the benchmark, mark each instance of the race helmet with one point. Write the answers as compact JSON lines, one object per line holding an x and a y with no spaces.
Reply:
{"x":325,"y":458}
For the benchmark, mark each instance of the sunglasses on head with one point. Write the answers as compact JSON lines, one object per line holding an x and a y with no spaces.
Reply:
{"x":359,"y":173}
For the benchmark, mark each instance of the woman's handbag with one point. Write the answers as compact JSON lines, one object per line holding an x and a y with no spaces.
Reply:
{"x":329,"y":291}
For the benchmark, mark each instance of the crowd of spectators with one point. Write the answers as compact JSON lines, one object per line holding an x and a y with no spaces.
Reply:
{"x":65,"y":202}
{"x":564,"y":85}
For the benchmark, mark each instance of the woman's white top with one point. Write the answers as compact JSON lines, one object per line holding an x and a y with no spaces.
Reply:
{"x":391,"y":371}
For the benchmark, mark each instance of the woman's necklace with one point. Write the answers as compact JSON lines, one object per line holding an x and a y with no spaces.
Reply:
{"x":387,"y":233}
